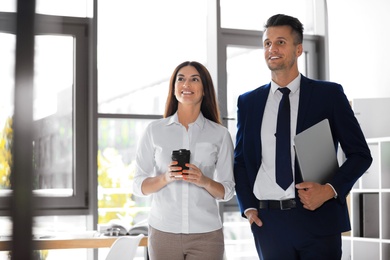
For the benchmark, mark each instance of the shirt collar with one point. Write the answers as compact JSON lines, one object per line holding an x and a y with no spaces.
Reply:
{"x":293,"y":85}
{"x":200,"y":121}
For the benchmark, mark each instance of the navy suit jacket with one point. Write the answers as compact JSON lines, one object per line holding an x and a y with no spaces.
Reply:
{"x":318,"y":100}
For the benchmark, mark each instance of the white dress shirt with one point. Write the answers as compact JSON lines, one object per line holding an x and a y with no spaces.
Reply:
{"x":182,"y":207}
{"x":265,"y":187}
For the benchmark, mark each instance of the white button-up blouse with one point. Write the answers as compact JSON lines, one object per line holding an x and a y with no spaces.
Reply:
{"x":182,"y":207}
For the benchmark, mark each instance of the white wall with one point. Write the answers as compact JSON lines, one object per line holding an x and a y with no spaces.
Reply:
{"x":359,"y":41}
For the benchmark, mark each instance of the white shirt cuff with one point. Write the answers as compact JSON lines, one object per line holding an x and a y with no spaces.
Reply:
{"x":248,"y":210}
{"x":335,"y":196}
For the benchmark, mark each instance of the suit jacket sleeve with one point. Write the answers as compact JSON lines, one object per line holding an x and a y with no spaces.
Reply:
{"x":346,"y":130}
{"x":320,"y":100}
{"x":247,"y":154}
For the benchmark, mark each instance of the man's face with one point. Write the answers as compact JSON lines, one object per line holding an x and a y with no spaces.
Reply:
{"x":280,"y":52}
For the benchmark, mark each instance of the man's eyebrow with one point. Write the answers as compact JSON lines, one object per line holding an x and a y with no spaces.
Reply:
{"x":277,"y":38}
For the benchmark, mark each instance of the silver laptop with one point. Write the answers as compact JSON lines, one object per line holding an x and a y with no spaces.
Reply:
{"x":316,"y":153}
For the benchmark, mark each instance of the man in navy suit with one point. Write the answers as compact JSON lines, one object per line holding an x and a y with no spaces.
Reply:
{"x":304,"y":220}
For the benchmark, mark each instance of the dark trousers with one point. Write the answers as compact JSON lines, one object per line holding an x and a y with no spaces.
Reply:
{"x":284,"y":236}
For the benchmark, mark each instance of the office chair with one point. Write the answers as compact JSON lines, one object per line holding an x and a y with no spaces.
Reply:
{"x":124,"y":248}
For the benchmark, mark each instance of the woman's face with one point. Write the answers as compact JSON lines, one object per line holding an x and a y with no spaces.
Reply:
{"x":188,"y":86}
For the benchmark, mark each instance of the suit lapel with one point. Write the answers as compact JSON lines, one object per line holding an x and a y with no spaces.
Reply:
{"x":304,"y":99}
{"x":259,"y":106}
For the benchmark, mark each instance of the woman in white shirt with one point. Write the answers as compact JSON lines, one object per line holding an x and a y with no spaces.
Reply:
{"x":184,"y":220}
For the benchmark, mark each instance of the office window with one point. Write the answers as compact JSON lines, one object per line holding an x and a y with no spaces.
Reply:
{"x":139,"y":46}
{"x":8,"y":6}
{"x":53,"y":114}
{"x":117,"y":146}
{"x":7,"y":64}
{"x":59,"y":111}
{"x":72,"y":8}
{"x":59,"y":123}
{"x":239,"y":244}
{"x":365,"y":75}
{"x":252,"y":14}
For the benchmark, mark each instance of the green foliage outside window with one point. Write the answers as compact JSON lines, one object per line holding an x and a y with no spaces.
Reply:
{"x":6,"y":135}
{"x":115,"y":180}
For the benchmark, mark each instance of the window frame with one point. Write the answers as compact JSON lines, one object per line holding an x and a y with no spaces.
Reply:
{"x":78,"y":28}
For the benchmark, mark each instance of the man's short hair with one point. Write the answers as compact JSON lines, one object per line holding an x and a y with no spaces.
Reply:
{"x":294,"y":23}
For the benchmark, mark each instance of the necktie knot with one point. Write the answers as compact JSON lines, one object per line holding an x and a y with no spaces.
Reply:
{"x":285,"y":91}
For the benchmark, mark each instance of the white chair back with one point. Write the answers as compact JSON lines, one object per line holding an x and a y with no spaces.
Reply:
{"x":124,"y":248}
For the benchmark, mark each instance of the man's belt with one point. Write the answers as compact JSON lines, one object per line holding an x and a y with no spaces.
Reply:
{"x":278,"y":204}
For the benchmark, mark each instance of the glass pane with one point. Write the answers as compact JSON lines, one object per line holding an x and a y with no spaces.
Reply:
{"x":7,"y":72}
{"x":8,"y":6}
{"x":238,"y":81}
{"x":135,"y":62}
{"x":369,"y":77}
{"x":239,"y":244}
{"x":53,"y":115}
{"x":252,"y":14}
{"x":117,"y":144}
{"x":255,"y":75}
{"x":62,"y":227}
{"x":76,"y":8}
{"x":5,"y":233}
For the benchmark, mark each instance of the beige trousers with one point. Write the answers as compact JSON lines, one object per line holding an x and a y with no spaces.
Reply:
{"x":169,"y":246}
